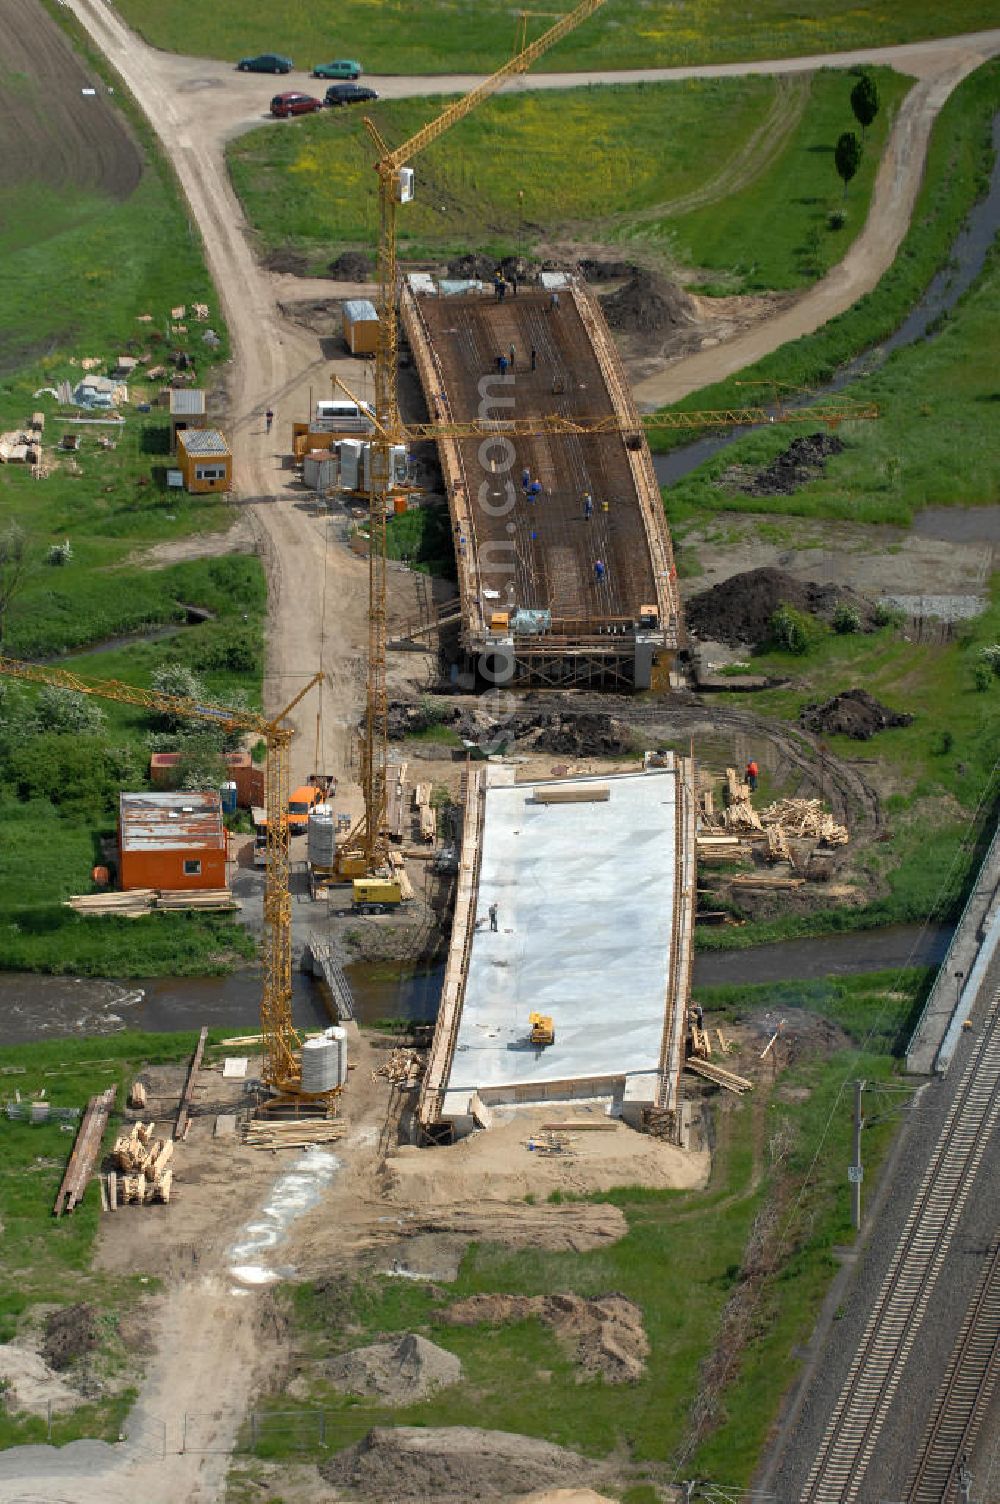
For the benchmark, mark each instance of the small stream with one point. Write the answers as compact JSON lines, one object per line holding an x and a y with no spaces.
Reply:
{"x":968,"y":256}
{"x":36,"y":1007}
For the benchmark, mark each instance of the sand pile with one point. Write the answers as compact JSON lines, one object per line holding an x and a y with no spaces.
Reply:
{"x":606,"y":1336}
{"x":397,"y":1372}
{"x":453,"y":1464}
{"x":739,"y":610}
{"x":853,"y":713}
{"x":648,"y":304}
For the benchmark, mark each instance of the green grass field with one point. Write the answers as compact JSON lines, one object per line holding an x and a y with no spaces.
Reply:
{"x":957,"y":174}
{"x":681,"y":1262}
{"x":102,"y":263}
{"x":646,"y":148}
{"x":444,"y":36}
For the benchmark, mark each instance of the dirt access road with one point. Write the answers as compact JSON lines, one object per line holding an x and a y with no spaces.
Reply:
{"x":317,"y":589}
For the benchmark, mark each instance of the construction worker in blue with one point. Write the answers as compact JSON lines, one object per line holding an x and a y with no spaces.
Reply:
{"x":599,"y":571}
{"x":534,"y":490}
{"x":588,"y":506}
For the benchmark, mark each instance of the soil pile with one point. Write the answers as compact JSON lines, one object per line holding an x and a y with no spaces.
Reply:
{"x":648,"y":304}
{"x":605,"y":271}
{"x":70,"y":1333}
{"x":739,"y":610}
{"x":801,"y":462}
{"x":397,"y":1372}
{"x":283,"y":259}
{"x":606,"y":1336}
{"x":853,"y":713}
{"x":453,"y":1464}
{"x":476,"y":265}
{"x":351,"y":266}
{"x":595,"y":735}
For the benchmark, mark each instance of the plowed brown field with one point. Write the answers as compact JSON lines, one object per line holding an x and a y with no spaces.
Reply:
{"x":52,"y":133}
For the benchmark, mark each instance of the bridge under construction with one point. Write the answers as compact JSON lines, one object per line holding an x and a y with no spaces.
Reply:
{"x":571,"y":583}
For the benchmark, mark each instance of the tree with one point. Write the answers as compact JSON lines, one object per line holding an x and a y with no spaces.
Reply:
{"x":847,"y":157}
{"x":864,"y":102}
{"x":13,"y":570}
{"x":63,"y":710}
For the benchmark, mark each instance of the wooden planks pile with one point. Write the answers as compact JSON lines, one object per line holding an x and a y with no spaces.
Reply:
{"x":139,"y":901}
{"x":741,"y":816}
{"x":183,"y":1115}
{"x":426,"y":817}
{"x":143,"y":1165}
{"x":264,"y":1133}
{"x":395,"y":795}
{"x":86,"y":1147}
{"x":718,"y":848}
{"x":717,"y":1073}
{"x":806,"y":817}
{"x":403,"y":1068}
{"x":400,"y":874}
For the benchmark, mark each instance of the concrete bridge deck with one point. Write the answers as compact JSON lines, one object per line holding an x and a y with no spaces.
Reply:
{"x":534,"y":560}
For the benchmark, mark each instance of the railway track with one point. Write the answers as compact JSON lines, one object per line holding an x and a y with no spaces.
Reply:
{"x":964,"y":1397}
{"x":838,"y":1471}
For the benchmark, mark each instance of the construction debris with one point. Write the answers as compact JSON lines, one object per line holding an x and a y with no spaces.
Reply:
{"x":86,"y":1148}
{"x":403,"y":1068}
{"x":137,"y":1095}
{"x":806,"y":817}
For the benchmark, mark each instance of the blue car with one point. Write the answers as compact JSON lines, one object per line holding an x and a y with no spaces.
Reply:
{"x":267,"y":62}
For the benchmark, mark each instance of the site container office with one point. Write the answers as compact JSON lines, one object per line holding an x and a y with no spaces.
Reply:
{"x":171,"y":841}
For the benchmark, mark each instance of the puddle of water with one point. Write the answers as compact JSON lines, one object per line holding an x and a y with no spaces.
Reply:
{"x":295,"y":1192}
{"x":966,"y":260}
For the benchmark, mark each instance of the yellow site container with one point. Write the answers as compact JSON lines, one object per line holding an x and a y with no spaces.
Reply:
{"x":499,"y":621}
{"x":383,"y":891}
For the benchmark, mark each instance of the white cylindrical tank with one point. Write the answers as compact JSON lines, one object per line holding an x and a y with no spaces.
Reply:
{"x":339,"y":1037}
{"x":320,"y":1064}
{"x":322,"y":836}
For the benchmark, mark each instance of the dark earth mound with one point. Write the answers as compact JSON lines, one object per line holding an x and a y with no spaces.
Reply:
{"x":284,"y":259}
{"x":801,"y":462}
{"x":647,"y":304}
{"x":852,"y":713}
{"x":605,"y":271}
{"x":475,"y":264}
{"x":70,"y":1333}
{"x":738,"y":611}
{"x":352,"y":266}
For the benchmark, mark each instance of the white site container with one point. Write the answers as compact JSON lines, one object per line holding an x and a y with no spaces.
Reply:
{"x":321,"y":836}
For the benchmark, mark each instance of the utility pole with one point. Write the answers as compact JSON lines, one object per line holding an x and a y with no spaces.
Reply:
{"x":855,"y":1173}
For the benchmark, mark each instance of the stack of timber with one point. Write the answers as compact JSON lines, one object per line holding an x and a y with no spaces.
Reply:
{"x":737,"y":792}
{"x":395,"y":795}
{"x":720,"y":848}
{"x":184,"y":1112}
{"x":765,"y":880}
{"x":143,"y":1165}
{"x":205,"y":898}
{"x":86,"y":1147}
{"x":777,"y":846}
{"x":426,"y":818}
{"x":264,"y":1133}
{"x":741,"y":816}
{"x":718,"y":1074}
{"x":136,"y":902}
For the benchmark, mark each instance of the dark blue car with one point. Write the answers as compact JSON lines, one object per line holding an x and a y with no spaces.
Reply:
{"x":267,"y":62}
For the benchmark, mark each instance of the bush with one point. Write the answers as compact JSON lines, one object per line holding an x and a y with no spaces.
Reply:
{"x":795,"y":631}
{"x":846,"y":619}
{"x":886,"y":614}
{"x":62,"y":710}
{"x":983,"y":677}
{"x":79,"y":771}
{"x":836,"y":219}
{"x":990,"y":657}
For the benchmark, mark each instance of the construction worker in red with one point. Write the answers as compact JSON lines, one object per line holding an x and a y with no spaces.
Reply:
{"x":753,"y":773}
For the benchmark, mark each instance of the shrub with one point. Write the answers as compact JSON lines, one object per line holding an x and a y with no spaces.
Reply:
{"x":990,"y":656}
{"x":61,"y":553}
{"x":62,"y":710}
{"x":80,"y":771}
{"x":846,"y":619}
{"x":886,"y":614}
{"x":983,"y":677}
{"x":836,"y":219}
{"x":794,"y":631}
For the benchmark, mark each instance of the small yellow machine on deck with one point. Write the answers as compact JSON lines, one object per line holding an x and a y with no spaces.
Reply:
{"x":541,"y":1029}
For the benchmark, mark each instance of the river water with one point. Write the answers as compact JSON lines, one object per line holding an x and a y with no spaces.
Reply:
{"x":42,"y":1007}
{"x":966,"y":261}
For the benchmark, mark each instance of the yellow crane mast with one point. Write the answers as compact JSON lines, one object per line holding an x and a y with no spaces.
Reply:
{"x":366,"y":848}
{"x":281,"y":1042}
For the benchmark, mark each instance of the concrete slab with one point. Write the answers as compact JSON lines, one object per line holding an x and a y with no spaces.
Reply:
{"x":585,"y":902}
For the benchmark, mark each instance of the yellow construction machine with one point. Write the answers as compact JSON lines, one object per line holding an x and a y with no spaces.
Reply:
{"x":541,"y":1030}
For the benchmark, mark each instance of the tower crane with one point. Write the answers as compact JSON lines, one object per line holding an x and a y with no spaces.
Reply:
{"x":282,"y":1070}
{"x":366,"y":848}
